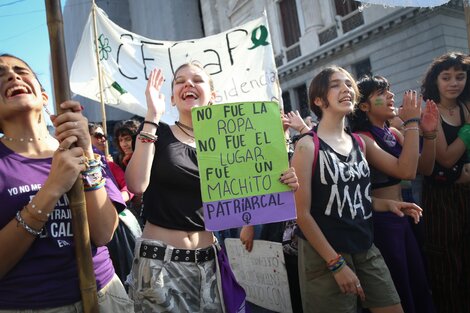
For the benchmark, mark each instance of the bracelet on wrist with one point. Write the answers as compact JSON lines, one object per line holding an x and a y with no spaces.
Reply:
{"x":38,"y":214}
{"x":300,"y":131}
{"x":430,"y":135}
{"x":146,"y":137}
{"x":410,"y":128}
{"x":92,"y":176}
{"x":28,"y":228}
{"x":336,"y":264}
{"x":411,"y":120}
{"x":95,"y":186}
{"x":334,"y":260}
{"x":151,"y":123}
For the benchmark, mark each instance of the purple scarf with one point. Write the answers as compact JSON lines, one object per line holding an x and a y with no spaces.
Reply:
{"x":386,"y":140}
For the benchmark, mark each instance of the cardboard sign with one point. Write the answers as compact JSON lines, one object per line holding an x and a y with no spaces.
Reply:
{"x":262,"y":273}
{"x":241,"y":154}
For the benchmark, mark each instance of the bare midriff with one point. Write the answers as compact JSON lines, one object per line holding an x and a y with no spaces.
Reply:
{"x":178,"y":238}
{"x":391,"y":193}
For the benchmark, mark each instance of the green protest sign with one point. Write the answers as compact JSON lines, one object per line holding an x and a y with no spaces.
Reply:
{"x":241,"y":153}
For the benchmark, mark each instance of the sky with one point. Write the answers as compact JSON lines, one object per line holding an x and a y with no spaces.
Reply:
{"x":24,"y":34}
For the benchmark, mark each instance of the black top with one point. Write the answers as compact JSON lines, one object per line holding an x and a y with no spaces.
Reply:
{"x":173,"y":197}
{"x":440,"y":174}
{"x":341,"y":202}
{"x":452,"y":132}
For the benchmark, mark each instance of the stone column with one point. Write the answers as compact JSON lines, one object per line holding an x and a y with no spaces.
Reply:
{"x":313,"y":21}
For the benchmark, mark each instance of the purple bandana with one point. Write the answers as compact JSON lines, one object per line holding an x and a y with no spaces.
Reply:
{"x":386,"y":140}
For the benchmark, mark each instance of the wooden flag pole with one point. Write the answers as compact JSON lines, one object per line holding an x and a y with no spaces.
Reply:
{"x":100,"y":75}
{"x":81,"y":233}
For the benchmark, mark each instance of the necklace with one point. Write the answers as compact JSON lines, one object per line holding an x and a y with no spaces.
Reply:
{"x":179,"y":124}
{"x":185,"y":132}
{"x":450,"y":110}
{"x":5,"y":137}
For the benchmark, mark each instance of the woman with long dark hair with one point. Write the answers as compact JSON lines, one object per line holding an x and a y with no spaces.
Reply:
{"x":393,"y":235}
{"x":446,"y":192}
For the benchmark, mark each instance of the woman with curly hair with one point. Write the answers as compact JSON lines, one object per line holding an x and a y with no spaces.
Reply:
{"x":446,"y":193}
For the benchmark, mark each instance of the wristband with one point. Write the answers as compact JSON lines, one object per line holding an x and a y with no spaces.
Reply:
{"x":336,"y":264}
{"x":151,"y":123}
{"x":145,"y":137}
{"x":28,"y":228}
{"x":96,"y":186}
{"x":430,"y":135}
{"x":410,"y":128}
{"x":411,"y":120}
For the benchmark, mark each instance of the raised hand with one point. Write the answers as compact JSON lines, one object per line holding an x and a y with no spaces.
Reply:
{"x":285,"y":122}
{"x":429,"y":117}
{"x":411,"y":106}
{"x":155,"y":99}
{"x":296,"y":121}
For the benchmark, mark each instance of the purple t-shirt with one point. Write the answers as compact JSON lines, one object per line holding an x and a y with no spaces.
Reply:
{"x":47,"y":274}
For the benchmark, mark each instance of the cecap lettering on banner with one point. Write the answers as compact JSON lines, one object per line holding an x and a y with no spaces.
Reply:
{"x":241,"y":61}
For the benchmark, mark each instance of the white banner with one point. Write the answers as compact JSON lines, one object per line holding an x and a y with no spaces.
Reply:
{"x":261,"y":272}
{"x":240,"y":60}
{"x":407,"y":3}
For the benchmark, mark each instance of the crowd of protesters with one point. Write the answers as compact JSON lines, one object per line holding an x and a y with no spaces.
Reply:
{"x":369,"y":235}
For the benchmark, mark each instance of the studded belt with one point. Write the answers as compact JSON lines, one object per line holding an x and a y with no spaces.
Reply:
{"x":177,"y":255}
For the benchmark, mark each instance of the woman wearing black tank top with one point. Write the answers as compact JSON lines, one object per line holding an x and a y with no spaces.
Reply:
{"x":446,"y":196}
{"x":174,"y":267}
{"x":337,"y":259}
{"x":394,"y":235}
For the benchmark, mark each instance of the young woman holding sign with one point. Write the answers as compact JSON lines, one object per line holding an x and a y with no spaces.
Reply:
{"x":337,"y":259}
{"x":174,"y":268}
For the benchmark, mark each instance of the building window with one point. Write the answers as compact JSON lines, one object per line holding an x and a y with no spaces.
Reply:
{"x":286,"y":102}
{"x":344,"y":7}
{"x":362,"y":68}
{"x":349,"y":15}
{"x":302,"y":100}
{"x":290,"y":27}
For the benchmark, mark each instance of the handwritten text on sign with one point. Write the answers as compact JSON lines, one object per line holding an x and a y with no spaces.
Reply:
{"x":241,"y":154}
{"x":261,"y":272}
